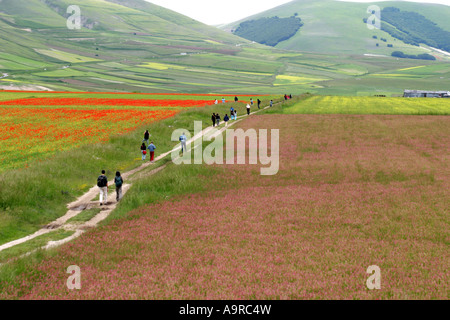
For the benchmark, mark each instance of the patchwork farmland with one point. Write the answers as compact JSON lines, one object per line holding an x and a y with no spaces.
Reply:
{"x":340,"y":202}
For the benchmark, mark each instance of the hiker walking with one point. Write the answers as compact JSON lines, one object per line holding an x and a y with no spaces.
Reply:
{"x":271,"y":103}
{"x":235,"y":114}
{"x":217,"y":119}
{"x":143,"y":151}
{"x":183,"y":140}
{"x":248,"y":109}
{"x":223,"y":100}
{"x":226,"y":119}
{"x":231,"y":113}
{"x":259,"y":104}
{"x":102,"y":184}
{"x":118,"y":181}
{"x":146,"y":137}
{"x":251,"y":101}
{"x":213,"y":118}
{"x":152,"y":149}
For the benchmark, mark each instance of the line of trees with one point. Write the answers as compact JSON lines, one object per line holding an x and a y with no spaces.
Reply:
{"x":423,"y":56}
{"x":413,"y":28}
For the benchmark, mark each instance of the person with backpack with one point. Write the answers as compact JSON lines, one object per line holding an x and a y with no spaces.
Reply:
{"x":152,"y":149}
{"x":143,"y":151}
{"x":226,"y":119}
{"x":118,"y":181}
{"x":146,"y":137}
{"x":183,"y":140}
{"x":217,"y":119}
{"x":102,"y":184}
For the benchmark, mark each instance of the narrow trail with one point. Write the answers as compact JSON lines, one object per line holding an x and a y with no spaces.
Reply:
{"x":86,"y":201}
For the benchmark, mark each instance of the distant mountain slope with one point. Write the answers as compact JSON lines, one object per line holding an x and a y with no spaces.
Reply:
{"x":136,"y":46}
{"x":120,"y":46}
{"x":337,"y":27}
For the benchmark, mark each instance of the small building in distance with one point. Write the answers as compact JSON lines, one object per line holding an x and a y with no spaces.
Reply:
{"x":426,"y":94}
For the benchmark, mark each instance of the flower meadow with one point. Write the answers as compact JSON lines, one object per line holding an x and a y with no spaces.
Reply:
{"x":352,"y":191}
{"x":104,"y":102}
{"x":35,"y":128}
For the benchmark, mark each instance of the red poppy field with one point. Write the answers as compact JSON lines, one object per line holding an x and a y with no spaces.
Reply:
{"x":33,"y":128}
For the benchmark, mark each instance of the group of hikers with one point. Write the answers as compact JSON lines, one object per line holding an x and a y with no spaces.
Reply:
{"x":102,"y":181}
{"x":151,"y":147}
{"x":215,"y":118}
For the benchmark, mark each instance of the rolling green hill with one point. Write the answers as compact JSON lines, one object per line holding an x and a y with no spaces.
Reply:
{"x":337,"y":27}
{"x":127,"y":45}
{"x":136,"y":46}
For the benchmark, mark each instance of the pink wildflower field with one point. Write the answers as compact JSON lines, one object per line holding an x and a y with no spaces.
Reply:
{"x":352,"y":192}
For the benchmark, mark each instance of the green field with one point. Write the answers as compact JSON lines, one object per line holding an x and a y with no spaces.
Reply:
{"x":369,"y":105}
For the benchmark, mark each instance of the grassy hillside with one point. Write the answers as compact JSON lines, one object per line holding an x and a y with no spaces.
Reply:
{"x":135,"y":46}
{"x":337,"y":26}
{"x":115,"y":49}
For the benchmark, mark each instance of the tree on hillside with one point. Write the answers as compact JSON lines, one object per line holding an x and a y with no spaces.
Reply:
{"x":269,"y":31}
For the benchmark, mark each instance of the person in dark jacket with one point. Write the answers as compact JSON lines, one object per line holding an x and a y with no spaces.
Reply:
{"x":102,"y":183}
{"x":118,"y":181}
{"x":259,"y":104}
{"x":146,"y":136}
{"x":144,"y":151}
{"x":213,"y":118}
{"x":226,"y":119}
{"x":217,"y":119}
